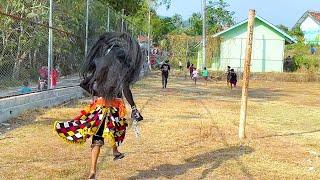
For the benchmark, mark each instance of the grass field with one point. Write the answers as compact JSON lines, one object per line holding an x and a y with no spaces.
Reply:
{"x":189,"y":132}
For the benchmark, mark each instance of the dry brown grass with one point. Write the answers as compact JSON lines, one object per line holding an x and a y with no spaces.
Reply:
{"x":189,"y":132}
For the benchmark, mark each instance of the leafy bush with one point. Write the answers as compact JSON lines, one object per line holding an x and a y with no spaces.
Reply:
{"x":306,"y":62}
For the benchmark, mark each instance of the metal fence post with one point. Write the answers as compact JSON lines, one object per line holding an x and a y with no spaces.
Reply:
{"x":50,"y":46}
{"x":122,"y":20}
{"x":108,"y":20}
{"x":149,"y":31}
{"x":87,"y":29}
{"x":204,"y":35}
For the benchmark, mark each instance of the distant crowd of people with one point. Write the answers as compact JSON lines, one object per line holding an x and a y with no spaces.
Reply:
{"x":195,"y":74}
{"x":43,"y":80}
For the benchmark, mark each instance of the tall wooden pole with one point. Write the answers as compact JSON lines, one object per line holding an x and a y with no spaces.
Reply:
{"x":50,"y":45}
{"x":246,"y":74}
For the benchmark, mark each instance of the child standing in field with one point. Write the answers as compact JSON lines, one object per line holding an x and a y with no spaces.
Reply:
{"x":180,"y":65}
{"x":165,"y":68}
{"x":205,"y":74}
{"x":195,"y":75}
{"x":54,"y":78}
{"x":233,"y":78}
{"x":191,"y":69}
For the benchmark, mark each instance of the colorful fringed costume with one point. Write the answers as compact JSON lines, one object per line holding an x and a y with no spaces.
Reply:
{"x":111,"y":113}
{"x":113,"y":63}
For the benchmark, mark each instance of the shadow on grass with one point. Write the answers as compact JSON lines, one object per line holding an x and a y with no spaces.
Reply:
{"x":214,"y":159}
{"x":20,"y":121}
{"x":290,"y":134}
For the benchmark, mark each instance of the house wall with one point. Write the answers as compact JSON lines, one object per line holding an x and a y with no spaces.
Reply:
{"x":311,"y":30}
{"x":267,"y":53}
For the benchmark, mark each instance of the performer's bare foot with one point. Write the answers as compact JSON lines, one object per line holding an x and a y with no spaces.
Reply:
{"x":92,"y":176}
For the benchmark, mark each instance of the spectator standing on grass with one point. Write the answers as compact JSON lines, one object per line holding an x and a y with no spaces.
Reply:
{"x":195,"y":75}
{"x":188,"y":64}
{"x":54,"y":78}
{"x":165,"y":68}
{"x":288,"y":64}
{"x":313,"y":50}
{"x":233,"y":78}
{"x":205,"y":74}
{"x":180,"y":65}
{"x":191,"y":69}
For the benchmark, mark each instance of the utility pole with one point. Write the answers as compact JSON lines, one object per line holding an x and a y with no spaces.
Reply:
{"x":246,"y":74}
{"x":149,"y":33}
{"x":50,"y":47}
{"x":122,"y":20}
{"x":108,"y":20}
{"x":87,"y":29}
{"x":204,"y":33}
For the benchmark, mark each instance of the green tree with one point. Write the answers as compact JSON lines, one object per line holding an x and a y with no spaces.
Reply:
{"x":195,"y":24}
{"x":283,"y":28}
{"x":161,"y":27}
{"x":297,"y":33}
{"x":218,"y":16}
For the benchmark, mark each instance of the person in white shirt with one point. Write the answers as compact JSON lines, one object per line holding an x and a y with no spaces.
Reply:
{"x":180,"y":65}
{"x":195,"y":75}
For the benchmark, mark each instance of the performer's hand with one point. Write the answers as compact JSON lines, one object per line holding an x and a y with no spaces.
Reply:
{"x":135,"y":115}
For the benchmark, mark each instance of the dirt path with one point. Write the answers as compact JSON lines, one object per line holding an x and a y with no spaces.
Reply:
{"x":189,"y":132}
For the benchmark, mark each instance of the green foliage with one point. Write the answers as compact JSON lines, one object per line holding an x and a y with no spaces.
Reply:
{"x":283,"y":28}
{"x":218,"y":16}
{"x":131,"y":7}
{"x":24,"y":45}
{"x":166,"y":3}
{"x":164,"y":26}
{"x":305,"y":62}
{"x":195,"y":28}
{"x":297,"y":34}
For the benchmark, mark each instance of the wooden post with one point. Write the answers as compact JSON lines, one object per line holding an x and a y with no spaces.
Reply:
{"x":246,"y":74}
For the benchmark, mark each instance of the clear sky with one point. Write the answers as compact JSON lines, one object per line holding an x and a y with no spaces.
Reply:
{"x":277,"y":12}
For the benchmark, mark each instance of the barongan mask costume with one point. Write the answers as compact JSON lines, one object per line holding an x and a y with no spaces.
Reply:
{"x":112,"y":65}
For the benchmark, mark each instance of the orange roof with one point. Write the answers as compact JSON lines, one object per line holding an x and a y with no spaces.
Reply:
{"x":315,"y":15}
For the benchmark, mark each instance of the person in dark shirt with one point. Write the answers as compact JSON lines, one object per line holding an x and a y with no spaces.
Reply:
{"x":165,"y":68}
{"x":191,"y":69}
{"x":188,"y":64}
{"x":233,"y":78}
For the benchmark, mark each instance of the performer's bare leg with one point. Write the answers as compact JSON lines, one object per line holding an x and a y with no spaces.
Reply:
{"x":95,"y":151}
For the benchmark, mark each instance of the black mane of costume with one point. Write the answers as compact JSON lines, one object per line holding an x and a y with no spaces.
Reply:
{"x":113,"y":62}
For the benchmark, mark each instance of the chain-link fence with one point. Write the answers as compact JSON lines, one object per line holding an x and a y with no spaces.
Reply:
{"x":183,"y":49}
{"x":24,"y":41}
